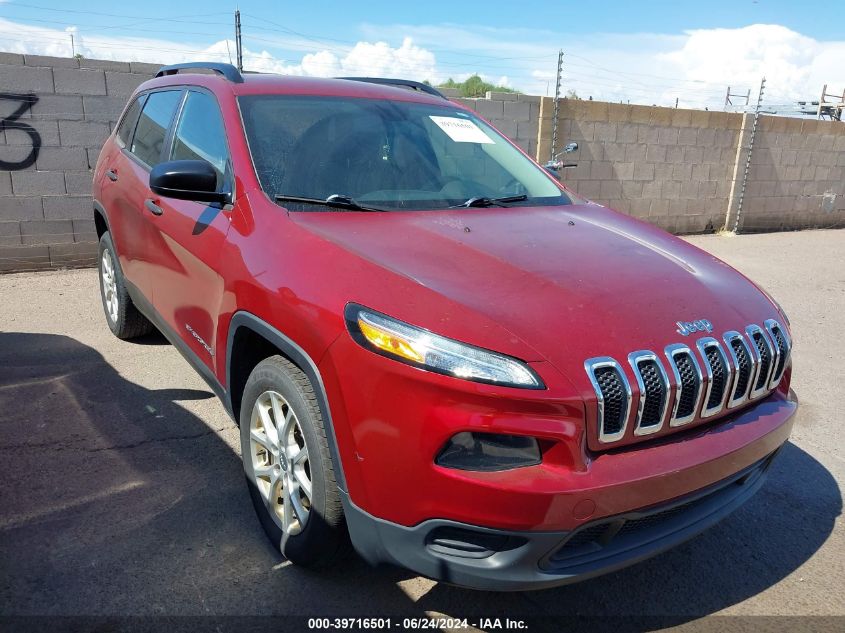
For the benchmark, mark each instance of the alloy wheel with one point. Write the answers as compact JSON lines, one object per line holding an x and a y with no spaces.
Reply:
{"x":109,"y":281}
{"x":280,"y":466}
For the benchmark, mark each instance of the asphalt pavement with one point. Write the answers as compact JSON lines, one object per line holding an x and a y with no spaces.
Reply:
{"x":122,"y":493}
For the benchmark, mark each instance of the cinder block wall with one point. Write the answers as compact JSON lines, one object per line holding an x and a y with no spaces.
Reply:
{"x":669,"y":166}
{"x":797,"y":175}
{"x":46,"y":217}
{"x":683,"y":169}
{"x":679,"y":169}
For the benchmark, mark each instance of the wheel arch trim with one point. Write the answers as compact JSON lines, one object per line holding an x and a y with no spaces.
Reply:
{"x":298,"y":357}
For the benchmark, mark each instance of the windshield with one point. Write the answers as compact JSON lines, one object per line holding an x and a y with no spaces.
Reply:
{"x":387,"y":154}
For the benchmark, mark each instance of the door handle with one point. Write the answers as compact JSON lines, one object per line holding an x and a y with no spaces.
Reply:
{"x":153,"y":208}
{"x":112,"y":174}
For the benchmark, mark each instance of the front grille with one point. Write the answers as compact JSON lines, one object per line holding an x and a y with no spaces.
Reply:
{"x":653,"y":393}
{"x":707,"y":378}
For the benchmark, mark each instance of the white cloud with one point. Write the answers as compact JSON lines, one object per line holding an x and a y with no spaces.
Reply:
{"x":364,"y":58}
{"x":694,"y":67}
{"x":795,"y":66}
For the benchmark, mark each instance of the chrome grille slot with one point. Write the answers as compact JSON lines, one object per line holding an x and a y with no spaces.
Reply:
{"x":741,"y":359}
{"x":654,"y":391}
{"x":719,"y":376}
{"x":613,"y":395}
{"x":782,"y":347}
{"x":689,"y":381}
{"x":765,"y":355}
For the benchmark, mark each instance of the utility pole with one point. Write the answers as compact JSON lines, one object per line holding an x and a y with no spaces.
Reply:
{"x":557,"y":104}
{"x":238,"y":46}
{"x":72,"y":46}
{"x":748,"y":156}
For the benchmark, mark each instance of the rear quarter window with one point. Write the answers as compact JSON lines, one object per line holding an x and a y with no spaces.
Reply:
{"x":127,"y":125}
{"x":151,"y":131}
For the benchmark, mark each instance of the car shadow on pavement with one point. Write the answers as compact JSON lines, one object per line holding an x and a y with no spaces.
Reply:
{"x":118,"y":501}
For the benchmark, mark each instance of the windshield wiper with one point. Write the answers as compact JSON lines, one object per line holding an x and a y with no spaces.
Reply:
{"x":483,"y":201}
{"x":334,"y":201}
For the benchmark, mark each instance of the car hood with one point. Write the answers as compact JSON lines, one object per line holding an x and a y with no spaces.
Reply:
{"x":571,"y":282}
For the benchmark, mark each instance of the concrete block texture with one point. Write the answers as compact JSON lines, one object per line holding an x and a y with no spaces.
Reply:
{"x":19,"y":208}
{"x":39,"y":183}
{"x":62,"y":159}
{"x":124,"y":84}
{"x":517,"y":110}
{"x":83,"y":133}
{"x":79,"y":81}
{"x":10,"y":233}
{"x":19,"y":258}
{"x":25,"y":79}
{"x":46,"y":232}
{"x":48,"y":132}
{"x":54,"y":107}
{"x":105,"y":64}
{"x":11,"y":59}
{"x":103,"y":108}
{"x":51,"y":62}
{"x":79,"y":182}
{"x":67,"y":207}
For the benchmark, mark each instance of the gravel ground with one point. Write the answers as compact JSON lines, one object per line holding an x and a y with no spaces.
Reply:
{"x":122,"y":491}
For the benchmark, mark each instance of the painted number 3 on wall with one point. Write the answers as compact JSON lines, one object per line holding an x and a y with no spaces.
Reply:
{"x":12,"y":122}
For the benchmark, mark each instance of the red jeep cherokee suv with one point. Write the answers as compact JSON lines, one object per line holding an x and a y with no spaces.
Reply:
{"x":433,"y":350}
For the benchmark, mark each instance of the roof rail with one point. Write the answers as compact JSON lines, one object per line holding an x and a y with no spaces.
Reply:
{"x":227,"y":70}
{"x":402,"y":83}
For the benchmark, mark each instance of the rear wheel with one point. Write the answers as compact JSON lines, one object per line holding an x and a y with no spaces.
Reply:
{"x":123,"y":318}
{"x":288,"y":465}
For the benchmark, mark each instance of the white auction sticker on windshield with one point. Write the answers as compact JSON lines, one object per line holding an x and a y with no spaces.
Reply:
{"x":461,"y":130}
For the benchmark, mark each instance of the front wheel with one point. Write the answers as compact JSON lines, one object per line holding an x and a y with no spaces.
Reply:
{"x":288,"y":465}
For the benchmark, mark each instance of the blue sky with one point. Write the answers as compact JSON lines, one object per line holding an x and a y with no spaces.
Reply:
{"x":649,"y":52}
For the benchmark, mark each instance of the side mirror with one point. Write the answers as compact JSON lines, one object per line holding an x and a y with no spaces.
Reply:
{"x":187,"y":180}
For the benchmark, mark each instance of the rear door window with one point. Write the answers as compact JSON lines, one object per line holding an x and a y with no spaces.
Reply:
{"x":151,"y":131}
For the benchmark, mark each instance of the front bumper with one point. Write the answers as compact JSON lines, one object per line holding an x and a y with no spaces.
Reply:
{"x":500,"y":560}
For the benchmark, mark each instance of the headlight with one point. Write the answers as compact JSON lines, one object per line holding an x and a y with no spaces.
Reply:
{"x":421,"y":348}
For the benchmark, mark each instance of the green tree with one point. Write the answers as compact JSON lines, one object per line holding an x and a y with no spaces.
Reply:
{"x":474,"y":86}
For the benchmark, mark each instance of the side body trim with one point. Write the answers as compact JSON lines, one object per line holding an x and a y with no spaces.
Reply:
{"x":149,"y":311}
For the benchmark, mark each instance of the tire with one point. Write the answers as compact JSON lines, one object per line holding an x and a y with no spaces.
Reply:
{"x":309,"y":531}
{"x":122,"y":317}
